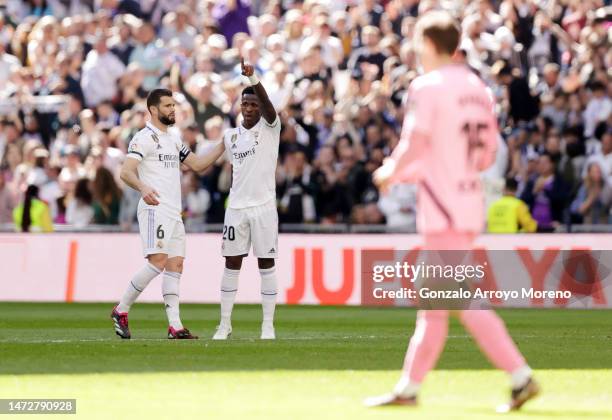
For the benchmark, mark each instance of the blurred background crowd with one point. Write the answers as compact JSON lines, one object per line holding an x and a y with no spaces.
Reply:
{"x":74,"y":75}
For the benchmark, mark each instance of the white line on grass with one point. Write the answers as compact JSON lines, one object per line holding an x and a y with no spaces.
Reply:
{"x":253,"y":339}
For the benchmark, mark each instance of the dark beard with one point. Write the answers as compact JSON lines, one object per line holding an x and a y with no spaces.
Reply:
{"x":166,"y":120}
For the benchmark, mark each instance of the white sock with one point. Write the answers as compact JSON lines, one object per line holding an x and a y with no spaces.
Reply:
{"x":138,"y":283}
{"x":229,"y":288}
{"x":268,"y":293}
{"x":170,"y":290}
{"x":405,"y":388}
{"x":520,"y":377}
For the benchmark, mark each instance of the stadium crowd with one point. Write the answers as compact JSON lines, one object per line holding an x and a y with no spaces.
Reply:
{"x":74,"y":75}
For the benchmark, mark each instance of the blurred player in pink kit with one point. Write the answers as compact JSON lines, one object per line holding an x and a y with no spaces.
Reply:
{"x":449,"y":135}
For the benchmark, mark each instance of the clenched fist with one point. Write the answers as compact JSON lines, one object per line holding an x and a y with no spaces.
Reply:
{"x":149,"y":195}
{"x":247,"y":69}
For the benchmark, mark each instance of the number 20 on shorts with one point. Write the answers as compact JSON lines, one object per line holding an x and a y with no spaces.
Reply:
{"x":228,"y":233}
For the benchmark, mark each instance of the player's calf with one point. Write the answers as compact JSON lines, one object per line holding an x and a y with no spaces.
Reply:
{"x":268,"y":297}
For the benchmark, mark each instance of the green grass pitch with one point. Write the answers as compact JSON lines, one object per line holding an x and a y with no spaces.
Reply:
{"x":326,"y":360}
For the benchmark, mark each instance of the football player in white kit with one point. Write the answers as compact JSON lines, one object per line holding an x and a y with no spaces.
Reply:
{"x":154,"y":168}
{"x":251,"y":216}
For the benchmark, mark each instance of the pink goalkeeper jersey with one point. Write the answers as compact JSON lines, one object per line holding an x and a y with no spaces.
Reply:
{"x":449,"y":135}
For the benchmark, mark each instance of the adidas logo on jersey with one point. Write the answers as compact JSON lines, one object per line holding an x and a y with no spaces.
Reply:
{"x":156,"y":140}
{"x":272,"y":251}
{"x":233,"y":146}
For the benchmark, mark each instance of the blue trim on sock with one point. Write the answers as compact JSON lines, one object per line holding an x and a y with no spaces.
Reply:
{"x":132,"y":283}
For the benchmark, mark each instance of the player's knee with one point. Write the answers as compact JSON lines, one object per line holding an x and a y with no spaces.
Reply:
{"x":233,"y":263}
{"x":179,"y":267}
{"x":265,"y":263}
{"x":174,"y":265}
{"x":158,"y":260}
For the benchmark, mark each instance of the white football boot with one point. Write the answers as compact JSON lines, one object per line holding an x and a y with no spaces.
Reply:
{"x":224,"y":330}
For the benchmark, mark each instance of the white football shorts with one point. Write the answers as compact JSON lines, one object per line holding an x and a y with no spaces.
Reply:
{"x":257,"y":225}
{"x":161,"y":234}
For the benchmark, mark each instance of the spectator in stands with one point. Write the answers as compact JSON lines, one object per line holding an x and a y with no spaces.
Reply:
{"x":592,"y":203}
{"x":337,"y":73}
{"x":372,"y":13}
{"x":202,"y":104}
{"x":399,"y":207}
{"x":366,"y":214}
{"x":101,"y":71}
{"x":369,"y":54}
{"x":598,"y":109}
{"x":107,"y":197}
{"x":39,"y":8}
{"x":65,"y":83}
{"x":176,"y":27}
{"x":6,"y":29}
{"x":509,"y":214}
{"x":37,"y":174}
{"x":104,"y":146}
{"x":523,"y":107}
{"x":9,"y":64}
{"x":131,"y":92}
{"x":11,"y":160}
{"x":295,"y":189}
{"x":51,"y":191}
{"x":325,"y":180}
{"x":546,"y":194}
{"x":550,"y":82}
{"x":231,"y":17}
{"x":33,"y":214}
{"x":106,"y":115}
{"x":79,"y":211}
{"x":73,"y":169}
{"x":555,"y":109}
{"x":7,"y":201}
{"x":604,"y":155}
{"x":197,"y":200}
{"x":117,"y":7}
{"x":332,"y":52}
{"x":352,"y":178}
{"x":224,"y":60}
{"x":572,"y":161}
{"x":149,"y":55}
{"x":121,"y":43}
{"x":9,"y":135}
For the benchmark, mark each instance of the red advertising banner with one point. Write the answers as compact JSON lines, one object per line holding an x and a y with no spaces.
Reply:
{"x":311,"y":269}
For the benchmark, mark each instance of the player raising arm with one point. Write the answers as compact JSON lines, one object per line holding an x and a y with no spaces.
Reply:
{"x":251,"y":216}
{"x":154,"y":156}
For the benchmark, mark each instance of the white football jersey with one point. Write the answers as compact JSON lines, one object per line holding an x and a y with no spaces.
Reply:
{"x":253,"y":154}
{"x":160,"y":155}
